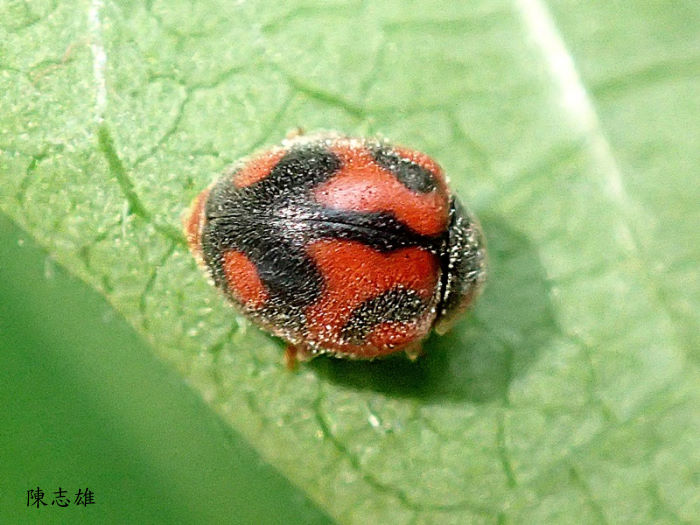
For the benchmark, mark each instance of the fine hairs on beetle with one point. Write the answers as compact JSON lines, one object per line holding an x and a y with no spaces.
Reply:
{"x":352,"y":247}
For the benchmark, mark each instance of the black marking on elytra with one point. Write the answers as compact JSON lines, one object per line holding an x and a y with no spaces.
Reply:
{"x":381,"y":231}
{"x":300,"y":170}
{"x":397,"y":304}
{"x":273,"y":220}
{"x":410,"y":174}
{"x":248,"y":220}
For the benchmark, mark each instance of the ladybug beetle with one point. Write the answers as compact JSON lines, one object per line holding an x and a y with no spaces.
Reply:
{"x":347,"y":246}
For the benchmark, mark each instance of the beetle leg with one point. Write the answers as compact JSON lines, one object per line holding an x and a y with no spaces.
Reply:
{"x":294,"y":133}
{"x":293,"y":354}
{"x":414,"y":350}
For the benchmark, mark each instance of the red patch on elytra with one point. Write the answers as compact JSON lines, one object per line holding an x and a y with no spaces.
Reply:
{"x":362,"y":185}
{"x":353,"y":273}
{"x":194,"y":223}
{"x":257,"y":168}
{"x":243,"y":279}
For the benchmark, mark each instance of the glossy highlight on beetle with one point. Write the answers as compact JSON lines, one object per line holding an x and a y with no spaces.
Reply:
{"x":347,"y":246}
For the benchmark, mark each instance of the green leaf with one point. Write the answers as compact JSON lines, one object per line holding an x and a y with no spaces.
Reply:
{"x":570,"y":394}
{"x":86,"y":405}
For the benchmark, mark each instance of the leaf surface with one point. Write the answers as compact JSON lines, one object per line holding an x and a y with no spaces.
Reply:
{"x":570,"y":393}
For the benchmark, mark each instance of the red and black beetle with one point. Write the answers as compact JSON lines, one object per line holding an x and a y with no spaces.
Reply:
{"x":346,"y":246}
